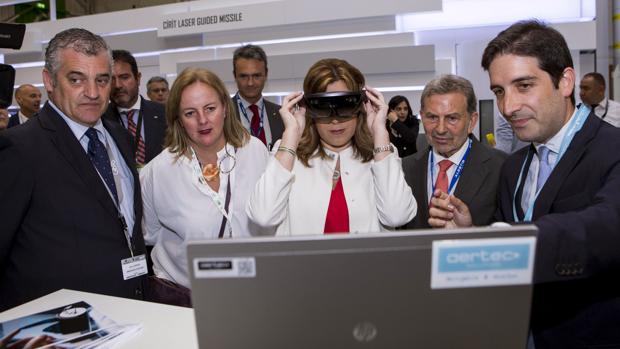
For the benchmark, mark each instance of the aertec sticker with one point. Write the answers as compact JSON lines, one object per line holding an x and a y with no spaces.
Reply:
{"x":482,"y":262}
{"x":225,"y":267}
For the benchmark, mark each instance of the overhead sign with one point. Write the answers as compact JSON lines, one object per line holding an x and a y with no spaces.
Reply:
{"x":230,"y":18}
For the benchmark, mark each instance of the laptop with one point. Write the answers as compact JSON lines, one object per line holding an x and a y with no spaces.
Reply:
{"x":462,"y":288}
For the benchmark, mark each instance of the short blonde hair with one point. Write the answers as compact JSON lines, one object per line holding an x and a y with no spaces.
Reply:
{"x":321,"y":74}
{"x":176,"y":138}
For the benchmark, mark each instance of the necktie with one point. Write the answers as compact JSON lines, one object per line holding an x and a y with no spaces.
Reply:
{"x":133,"y":130}
{"x":442,"y":176}
{"x":257,"y":130}
{"x":99,"y":157}
{"x":544,"y":169}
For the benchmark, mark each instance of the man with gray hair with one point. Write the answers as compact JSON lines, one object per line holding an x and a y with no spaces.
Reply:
{"x":455,"y":162}
{"x":69,"y":197}
{"x":258,"y":115}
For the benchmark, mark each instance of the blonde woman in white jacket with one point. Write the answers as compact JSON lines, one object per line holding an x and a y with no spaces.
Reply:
{"x":334,"y":170}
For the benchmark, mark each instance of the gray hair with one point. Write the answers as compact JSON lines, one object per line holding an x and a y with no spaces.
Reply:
{"x":250,"y":52}
{"x":449,"y":83}
{"x":155,"y":79}
{"x":78,"y":39}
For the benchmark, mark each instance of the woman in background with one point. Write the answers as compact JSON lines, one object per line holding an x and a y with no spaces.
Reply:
{"x":334,"y":170}
{"x":402,"y":125}
{"x":197,"y":188}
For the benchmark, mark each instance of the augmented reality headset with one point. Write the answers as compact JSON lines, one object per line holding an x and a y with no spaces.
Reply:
{"x":334,"y":104}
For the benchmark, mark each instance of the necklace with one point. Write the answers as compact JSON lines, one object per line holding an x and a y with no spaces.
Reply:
{"x":336,"y":175}
{"x":211,"y":172}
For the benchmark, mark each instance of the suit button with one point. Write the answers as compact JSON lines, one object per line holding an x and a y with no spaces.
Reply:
{"x":138,"y":292}
{"x":560,"y":269}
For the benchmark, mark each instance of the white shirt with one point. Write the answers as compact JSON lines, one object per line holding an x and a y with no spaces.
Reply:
{"x":611,"y":112}
{"x":455,"y":159}
{"x":136,"y":114}
{"x":554,"y":144}
{"x":246,"y":118}
{"x":22,"y":118}
{"x":178,"y":208}
{"x":296,"y":201}
{"x":126,"y":189}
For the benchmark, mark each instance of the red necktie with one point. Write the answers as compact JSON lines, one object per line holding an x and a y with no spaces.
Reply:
{"x":442,"y":177}
{"x":255,"y":126}
{"x":131,"y":127}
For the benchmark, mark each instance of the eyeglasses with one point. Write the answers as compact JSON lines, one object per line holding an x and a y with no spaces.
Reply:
{"x":327,"y":105}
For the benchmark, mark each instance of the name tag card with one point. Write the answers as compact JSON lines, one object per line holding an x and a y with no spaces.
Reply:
{"x":482,"y":262}
{"x":134,"y":267}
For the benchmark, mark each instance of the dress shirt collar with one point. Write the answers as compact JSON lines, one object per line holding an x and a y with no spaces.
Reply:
{"x":78,"y":129}
{"x":247,"y":104}
{"x":332,"y":155}
{"x":22,"y":118}
{"x":555,"y":142}
{"x":456,"y":157}
{"x":136,"y":106}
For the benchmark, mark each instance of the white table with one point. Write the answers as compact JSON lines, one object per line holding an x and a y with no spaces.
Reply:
{"x":163,"y":326}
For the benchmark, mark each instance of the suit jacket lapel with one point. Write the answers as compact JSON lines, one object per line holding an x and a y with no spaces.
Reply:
{"x":69,"y":146}
{"x":473,"y":174}
{"x":562,"y":170}
{"x":420,"y":185}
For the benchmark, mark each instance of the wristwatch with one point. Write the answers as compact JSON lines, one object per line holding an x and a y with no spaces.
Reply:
{"x":383,"y":148}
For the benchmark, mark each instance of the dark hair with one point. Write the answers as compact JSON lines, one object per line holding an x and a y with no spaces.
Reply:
{"x":78,"y":39}
{"x":449,"y":83}
{"x":157,"y":79}
{"x":532,"y":38}
{"x":249,"y":52}
{"x":597,"y":77}
{"x":127,"y":57}
{"x":396,"y":100}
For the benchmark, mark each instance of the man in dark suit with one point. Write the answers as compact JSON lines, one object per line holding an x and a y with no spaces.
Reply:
{"x":567,"y":182}
{"x":258,"y":115}
{"x":70,"y":202}
{"x":143,"y":119}
{"x":471,"y":170}
{"x":28,"y":97}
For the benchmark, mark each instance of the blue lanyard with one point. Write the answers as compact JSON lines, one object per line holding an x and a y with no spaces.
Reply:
{"x":575,"y":124}
{"x":261,"y":113}
{"x":457,"y":173}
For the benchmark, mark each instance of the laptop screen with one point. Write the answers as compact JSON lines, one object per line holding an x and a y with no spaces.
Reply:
{"x":465,"y":288}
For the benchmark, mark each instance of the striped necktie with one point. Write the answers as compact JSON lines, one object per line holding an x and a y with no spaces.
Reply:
{"x":140,"y":155}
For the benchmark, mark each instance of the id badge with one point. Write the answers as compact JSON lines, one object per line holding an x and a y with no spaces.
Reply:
{"x":134,"y":267}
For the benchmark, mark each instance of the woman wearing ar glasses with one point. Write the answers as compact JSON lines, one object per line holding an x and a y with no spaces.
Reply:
{"x":334,"y":170}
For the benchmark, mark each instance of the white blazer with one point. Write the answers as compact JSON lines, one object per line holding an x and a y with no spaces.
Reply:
{"x":296,"y":202}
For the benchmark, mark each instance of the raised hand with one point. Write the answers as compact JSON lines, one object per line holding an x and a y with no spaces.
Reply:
{"x":448,"y":211}
{"x":294,"y":118}
{"x":376,"y":112}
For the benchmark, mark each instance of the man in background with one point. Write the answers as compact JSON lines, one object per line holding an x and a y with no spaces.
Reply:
{"x":258,"y":115}
{"x":28,"y":98}
{"x":592,"y":93}
{"x":157,"y":89}
{"x":144,"y":120}
{"x":455,"y":162}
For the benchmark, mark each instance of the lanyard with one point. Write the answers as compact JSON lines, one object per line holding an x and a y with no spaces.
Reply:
{"x":261,"y":114}
{"x":215,"y":197}
{"x":119,"y":192}
{"x":457,"y":173}
{"x":575,"y":124}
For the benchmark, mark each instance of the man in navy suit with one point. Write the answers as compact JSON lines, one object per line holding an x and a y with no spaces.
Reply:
{"x":567,"y":182}
{"x":70,"y":202}
{"x":144,"y":120}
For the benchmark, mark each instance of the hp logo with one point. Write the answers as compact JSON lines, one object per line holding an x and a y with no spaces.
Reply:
{"x":364,"y":332}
